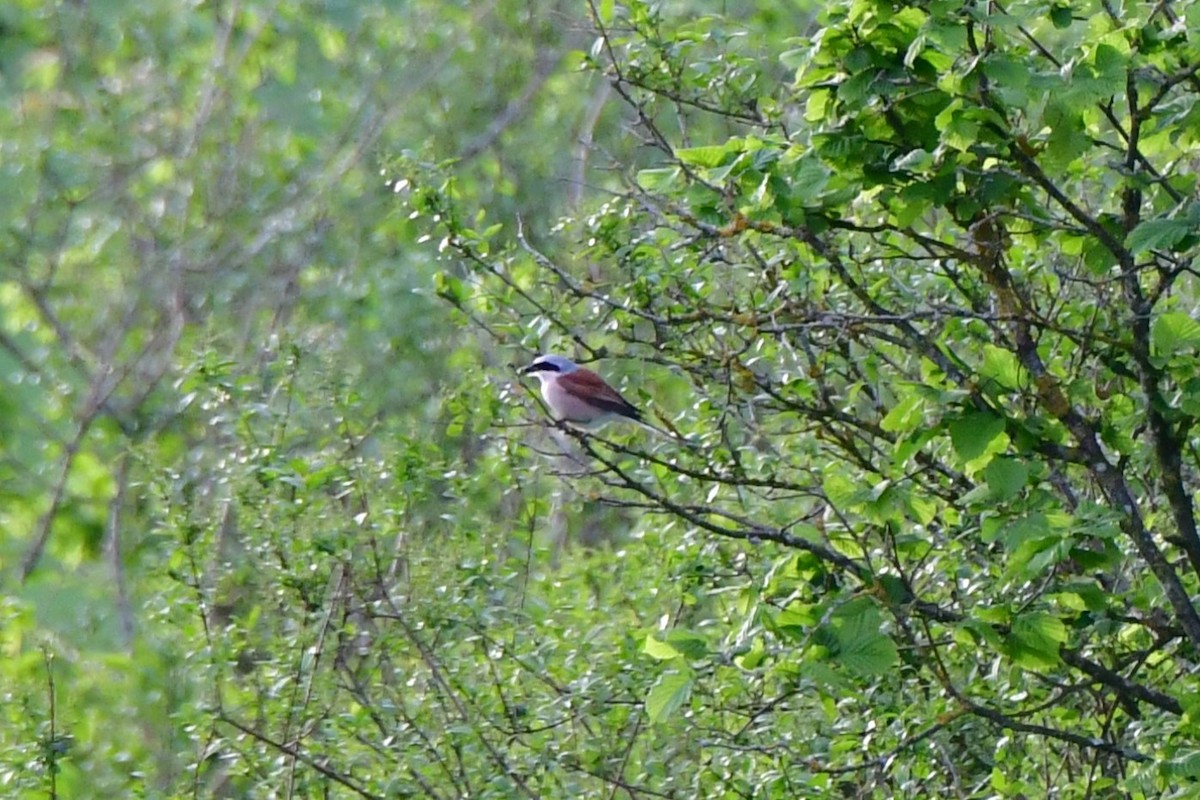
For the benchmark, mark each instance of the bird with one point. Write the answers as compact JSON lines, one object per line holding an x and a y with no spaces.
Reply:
{"x":579,"y":396}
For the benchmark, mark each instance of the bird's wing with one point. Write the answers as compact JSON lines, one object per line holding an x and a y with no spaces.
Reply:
{"x":591,"y":388}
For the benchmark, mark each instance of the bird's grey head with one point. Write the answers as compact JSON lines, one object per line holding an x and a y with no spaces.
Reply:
{"x":551,"y":363}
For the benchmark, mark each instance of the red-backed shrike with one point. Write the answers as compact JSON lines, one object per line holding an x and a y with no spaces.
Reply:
{"x":579,"y":396}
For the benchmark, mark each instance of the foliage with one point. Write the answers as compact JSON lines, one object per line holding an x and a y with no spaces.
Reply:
{"x":912,"y":285}
{"x":192,"y":215}
{"x":926,"y":310}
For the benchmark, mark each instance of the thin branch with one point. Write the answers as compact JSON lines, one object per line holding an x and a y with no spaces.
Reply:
{"x":301,"y":755}
{"x":1125,"y":688}
{"x":33,"y":553}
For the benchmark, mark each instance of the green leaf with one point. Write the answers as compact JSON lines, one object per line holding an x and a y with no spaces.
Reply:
{"x":669,"y":692}
{"x":754,"y":657}
{"x":1189,"y":397}
{"x":1001,"y":366}
{"x":690,"y":645}
{"x":657,"y":180}
{"x":971,"y":434}
{"x":796,"y":619}
{"x":1068,"y":136}
{"x":1184,"y":766}
{"x":1034,"y":640}
{"x":1087,"y":594}
{"x":762,"y":198}
{"x":659,"y":650}
{"x":869,"y":655}
{"x":1158,"y":234}
{"x":449,"y":287}
{"x":905,"y":415}
{"x":843,"y":492}
{"x":1097,"y":257}
{"x":809,"y":179}
{"x":817,"y":104}
{"x":1110,"y":63}
{"x":1036,"y":556}
{"x":1172,"y":332}
{"x":918,"y":160}
{"x":1060,"y":17}
{"x":795,"y":59}
{"x":859,"y":644}
{"x":959,"y":129}
{"x":857,"y":89}
{"x":923,"y":509}
{"x":1016,"y":532}
{"x":708,"y":156}
{"x":1009,"y":78}
{"x":1042,"y":626}
{"x":1005,"y":477}
{"x":981,"y":631}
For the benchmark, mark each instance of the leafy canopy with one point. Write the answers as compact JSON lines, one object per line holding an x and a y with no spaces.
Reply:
{"x":918,"y":282}
{"x":914,"y":282}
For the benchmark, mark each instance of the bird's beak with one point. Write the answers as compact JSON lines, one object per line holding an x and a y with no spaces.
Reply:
{"x":526,"y":370}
